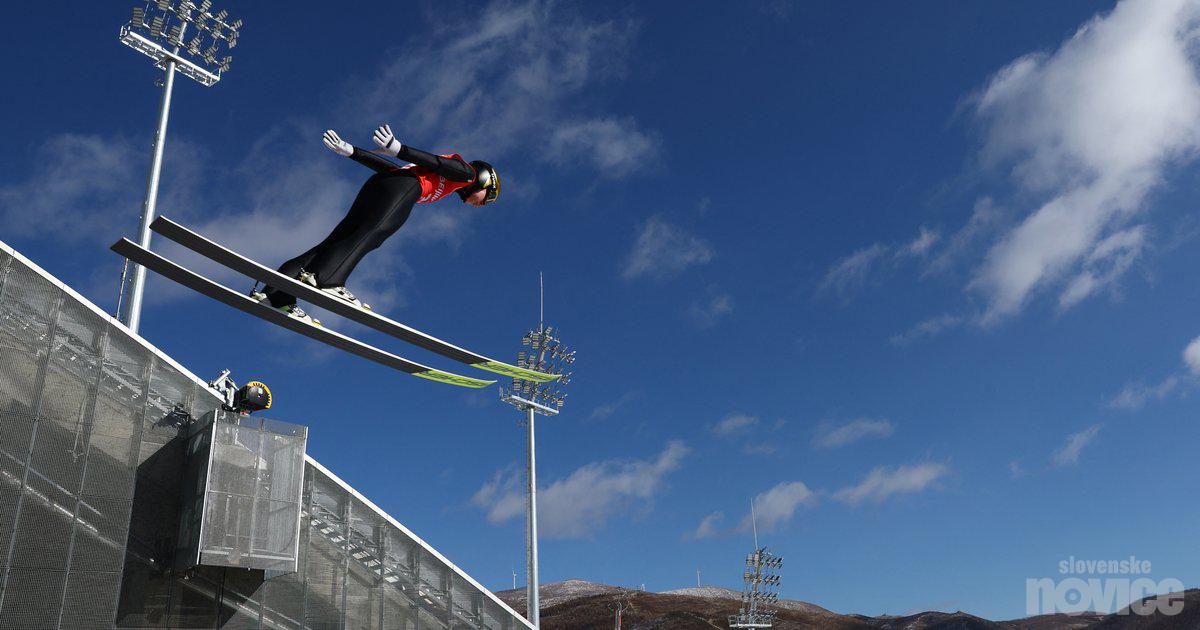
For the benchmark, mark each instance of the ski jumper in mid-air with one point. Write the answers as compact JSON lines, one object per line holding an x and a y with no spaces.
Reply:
{"x":382,"y":206}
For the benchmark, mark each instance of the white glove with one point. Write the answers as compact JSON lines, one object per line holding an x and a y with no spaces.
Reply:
{"x":336,"y":144}
{"x":387,"y":141}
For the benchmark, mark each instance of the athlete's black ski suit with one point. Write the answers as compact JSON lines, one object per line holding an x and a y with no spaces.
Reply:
{"x":381,"y":207}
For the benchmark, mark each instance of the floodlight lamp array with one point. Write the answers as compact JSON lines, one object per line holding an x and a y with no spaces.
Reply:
{"x":761,"y":580}
{"x":548,"y":355}
{"x":764,"y":558}
{"x":159,"y":28}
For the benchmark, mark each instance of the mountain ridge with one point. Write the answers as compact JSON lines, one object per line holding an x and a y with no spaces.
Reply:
{"x":580,"y":604}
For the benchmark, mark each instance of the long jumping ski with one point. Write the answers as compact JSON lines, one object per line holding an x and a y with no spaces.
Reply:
{"x":241,"y":264}
{"x":224,"y":294}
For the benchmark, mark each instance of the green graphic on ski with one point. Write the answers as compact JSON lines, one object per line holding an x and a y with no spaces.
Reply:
{"x":224,"y":294}
{"x":241,"y":264}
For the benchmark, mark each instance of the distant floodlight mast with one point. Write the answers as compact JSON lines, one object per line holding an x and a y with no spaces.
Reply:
{"x":157,"y":29}
{"x":546,"y":354}
{"x":761,"y":579}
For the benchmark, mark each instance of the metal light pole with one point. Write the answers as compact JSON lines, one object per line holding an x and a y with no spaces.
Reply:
{"x":134,"y":317}
{"x":532,"y":605}
{"x":761,"y":579}
{"x":550,"y":356}
{"x":157,"y":31}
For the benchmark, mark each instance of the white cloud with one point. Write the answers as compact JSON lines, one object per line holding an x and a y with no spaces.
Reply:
{"x":777,"y":506}
{"x":1107,"y":262}
{"x":1016,"y":470}
{"x":1191,"y":356}
{"x":582,"y":502}
{"x":985,"y":220}
{"x":662,"y":250}
{"x":836,"y":436}
{"x":604,"y":410}
{"x":615,"y":147}
{"x":88,"y":188}
{"x":709,"y":313}
{"x":709,"y":527}
{"x":1135,"y":395}
{"x":504,"y":496}
{"x":926,"y":329}
{"x":734,"y":423}
{"x":1068,"y":454}
{"x":760,"y":448}
{"x":542,"y":57}
{"x":920,"y":245}
{"x":883,"y":483}
{"x":1092,"y":126}
{"x":853,"y":271}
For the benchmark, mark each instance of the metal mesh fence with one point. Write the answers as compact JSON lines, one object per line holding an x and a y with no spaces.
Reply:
{"x":92,"y":457}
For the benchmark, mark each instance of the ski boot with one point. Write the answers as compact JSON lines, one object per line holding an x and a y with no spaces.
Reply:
{"x":341,"y":293}
{"x":291,"y":310}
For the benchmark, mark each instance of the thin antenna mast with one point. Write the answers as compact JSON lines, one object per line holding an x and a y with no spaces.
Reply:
{"x":541,"y":302}
{"x":753,"y":522}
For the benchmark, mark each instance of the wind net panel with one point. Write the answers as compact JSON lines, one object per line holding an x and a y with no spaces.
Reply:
{"x":27,"y":304}
{"x":16,"y":433}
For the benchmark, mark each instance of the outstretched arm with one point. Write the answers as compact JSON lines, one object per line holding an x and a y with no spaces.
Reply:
{"x":452,"y":169}
{"x":373,"y":161}
{"x":366,"y":158}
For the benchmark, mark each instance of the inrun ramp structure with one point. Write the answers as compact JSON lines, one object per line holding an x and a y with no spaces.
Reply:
{"x":91,"y":462}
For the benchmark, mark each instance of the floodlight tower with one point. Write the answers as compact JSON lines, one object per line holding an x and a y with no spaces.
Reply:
{"x":761,"y":579}
{"x":546,"y":354}
{"x":157,"y":29}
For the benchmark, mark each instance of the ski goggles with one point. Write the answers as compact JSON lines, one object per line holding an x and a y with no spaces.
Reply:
{"x":485,"y":179}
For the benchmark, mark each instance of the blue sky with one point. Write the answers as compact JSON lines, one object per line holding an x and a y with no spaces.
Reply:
{"x":921,"y":278}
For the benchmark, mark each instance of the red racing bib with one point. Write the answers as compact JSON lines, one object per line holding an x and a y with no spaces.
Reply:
{"x":434,"y":186}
